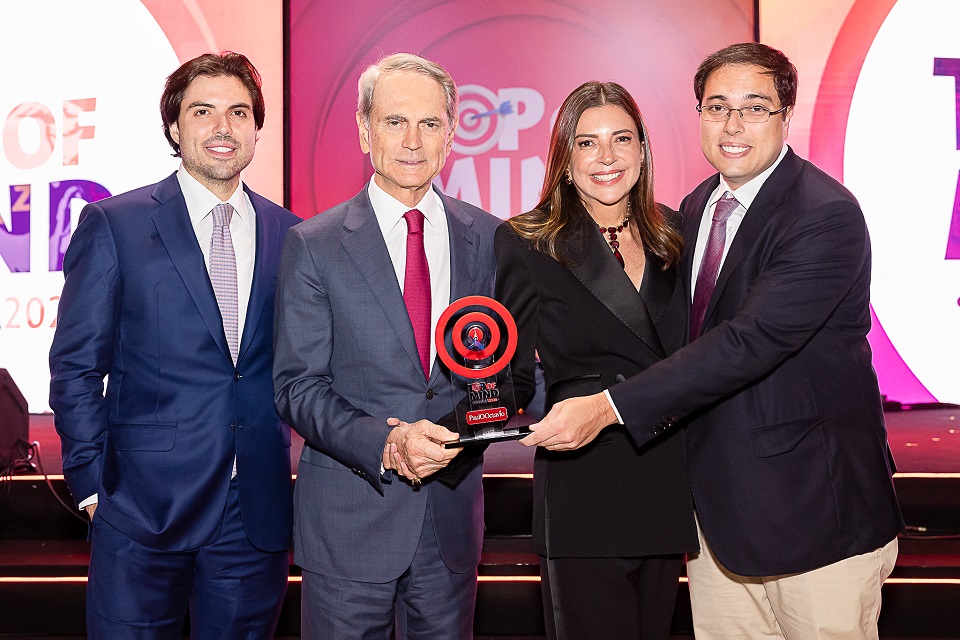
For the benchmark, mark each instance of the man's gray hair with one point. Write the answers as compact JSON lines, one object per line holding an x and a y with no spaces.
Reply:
{"x":405,"y":62}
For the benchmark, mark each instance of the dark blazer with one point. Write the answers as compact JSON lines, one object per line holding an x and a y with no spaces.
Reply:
{"x":787,"y":447}
{"x":346,"y":361}
{"x":138,"y":306}
{"x":591,"y":328}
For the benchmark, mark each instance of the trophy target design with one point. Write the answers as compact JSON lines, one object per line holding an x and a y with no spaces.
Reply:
{"x":476,"y":336}
{"x":480,"y":120}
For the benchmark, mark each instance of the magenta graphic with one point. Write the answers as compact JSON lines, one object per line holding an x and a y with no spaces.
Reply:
{"x":951,"y":67}
{"x":913,"y":306}
{"x":15,"y":243}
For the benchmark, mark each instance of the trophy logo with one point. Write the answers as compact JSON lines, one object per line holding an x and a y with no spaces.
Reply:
{"x":483,"y":337}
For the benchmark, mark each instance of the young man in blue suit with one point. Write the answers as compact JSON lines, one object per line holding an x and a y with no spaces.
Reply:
{"x":183,"y":465}
{"x":361,"y":287}
{"x":787,"y":449}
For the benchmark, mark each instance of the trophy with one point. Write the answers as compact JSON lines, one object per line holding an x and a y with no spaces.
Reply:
{"x":480,"y":366}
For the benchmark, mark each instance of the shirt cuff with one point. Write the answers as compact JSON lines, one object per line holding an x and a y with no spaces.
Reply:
{"x":89,"y":501}
{"x":606,"y":393}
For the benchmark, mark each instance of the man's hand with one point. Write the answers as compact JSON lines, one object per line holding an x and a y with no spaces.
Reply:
{"x":91,"y":509}
{"x":419,"y":449}
{"x":387,"y":458}
{"x":571,"y":423}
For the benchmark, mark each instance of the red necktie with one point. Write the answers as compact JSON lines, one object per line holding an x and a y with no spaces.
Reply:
{"x":710,"y":265}
{"x":416,"y":286}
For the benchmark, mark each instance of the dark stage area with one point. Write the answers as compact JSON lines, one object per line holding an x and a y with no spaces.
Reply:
{"x":44,"y":555}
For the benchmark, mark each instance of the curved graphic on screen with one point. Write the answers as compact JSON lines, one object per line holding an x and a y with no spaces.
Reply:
{"x":884,"y":60}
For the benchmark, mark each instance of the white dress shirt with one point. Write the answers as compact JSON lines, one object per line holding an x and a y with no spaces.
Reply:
{"x":436,"y":244}
{"x":745,"y":195}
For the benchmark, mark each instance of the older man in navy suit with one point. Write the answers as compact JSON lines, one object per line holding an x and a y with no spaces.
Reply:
{"x":355,"y":281}
{"x":787,"y":450}
{"x":183,"y":465}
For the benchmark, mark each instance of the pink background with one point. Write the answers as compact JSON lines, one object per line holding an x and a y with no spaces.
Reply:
{"x":255,"y":29}
{"x":550,"y":47}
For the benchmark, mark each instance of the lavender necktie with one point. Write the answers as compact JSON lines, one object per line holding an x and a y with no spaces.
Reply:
{"x":710,"y":265}
{"x":223,"y":275}
{"x":416,"y":286}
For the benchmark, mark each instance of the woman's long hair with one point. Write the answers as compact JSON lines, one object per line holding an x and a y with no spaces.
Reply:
{"x":559,"y":215}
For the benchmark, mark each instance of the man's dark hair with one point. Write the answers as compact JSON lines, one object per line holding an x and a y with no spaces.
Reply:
{"x":752,"y":53}
{"x":225,"y":63}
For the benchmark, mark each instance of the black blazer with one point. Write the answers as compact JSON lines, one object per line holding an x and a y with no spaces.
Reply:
{"x":787,"y":447}
{"x":590,"y":326}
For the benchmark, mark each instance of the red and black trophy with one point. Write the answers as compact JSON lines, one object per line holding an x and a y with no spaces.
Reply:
{"x":483,"y":335}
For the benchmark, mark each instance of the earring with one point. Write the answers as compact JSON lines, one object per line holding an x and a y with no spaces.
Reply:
{"x":569,"y":177}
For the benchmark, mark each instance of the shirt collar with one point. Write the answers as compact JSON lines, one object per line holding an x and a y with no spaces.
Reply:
{"x":747,"y":193}
{"x":201,"y":201}
{"x":389,"y":210}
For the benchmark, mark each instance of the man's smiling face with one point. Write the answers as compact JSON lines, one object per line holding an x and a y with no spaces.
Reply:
{"x":740,"y":150}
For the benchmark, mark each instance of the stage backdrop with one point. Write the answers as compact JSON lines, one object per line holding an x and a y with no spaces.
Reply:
{"x":865,"y":65}
{"x":880,"y":110}
{"x":80,"y":121}
{"x":514,"y":63}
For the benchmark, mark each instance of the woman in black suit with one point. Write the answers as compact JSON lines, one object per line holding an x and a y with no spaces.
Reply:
{"x":589,"y":277}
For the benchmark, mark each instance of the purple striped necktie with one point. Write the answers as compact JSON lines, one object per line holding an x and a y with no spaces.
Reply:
{"x":416,"y":287}
{"x":223,"y":275}
{"x":710,"y":265}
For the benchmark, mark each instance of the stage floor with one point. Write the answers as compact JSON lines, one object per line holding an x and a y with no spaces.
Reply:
{"x":922,"y":441}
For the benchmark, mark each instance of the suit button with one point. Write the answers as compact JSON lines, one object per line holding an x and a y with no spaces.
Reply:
{"x":237,"y":376}
{"x":233,"y":426}
{"x":430,"y":394}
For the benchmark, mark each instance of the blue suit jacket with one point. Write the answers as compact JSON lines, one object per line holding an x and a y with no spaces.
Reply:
{"x":786,"y":442}
{"x":346,"y":361}
{"x":159,"y":446}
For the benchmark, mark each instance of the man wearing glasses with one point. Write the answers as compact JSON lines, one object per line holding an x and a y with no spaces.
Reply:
{"x":789,"y":465}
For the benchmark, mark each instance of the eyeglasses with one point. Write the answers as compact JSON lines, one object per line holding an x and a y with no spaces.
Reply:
{"x":755,"y":114}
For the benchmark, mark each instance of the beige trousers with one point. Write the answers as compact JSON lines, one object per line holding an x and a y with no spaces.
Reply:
{"x":841,"y":600}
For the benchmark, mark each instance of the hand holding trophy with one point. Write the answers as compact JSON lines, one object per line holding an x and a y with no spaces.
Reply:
{"x":483,"y":336}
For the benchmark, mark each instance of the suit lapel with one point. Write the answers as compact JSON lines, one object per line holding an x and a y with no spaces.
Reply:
{"x":756,"y":218}
{"x":464,"y":253}
{"x":464,"y":250}
{"x":363,"y":242}
{"x":603,"y":276}
{"x":692,"y":216}
{"x":267,"y":258}
{"x":173,"y":225}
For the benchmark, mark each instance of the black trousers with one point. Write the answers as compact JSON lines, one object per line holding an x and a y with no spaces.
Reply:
{"x":609,"y":598}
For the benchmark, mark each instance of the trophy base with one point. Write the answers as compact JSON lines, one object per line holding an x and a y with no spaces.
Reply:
{"x":496,"y":436}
